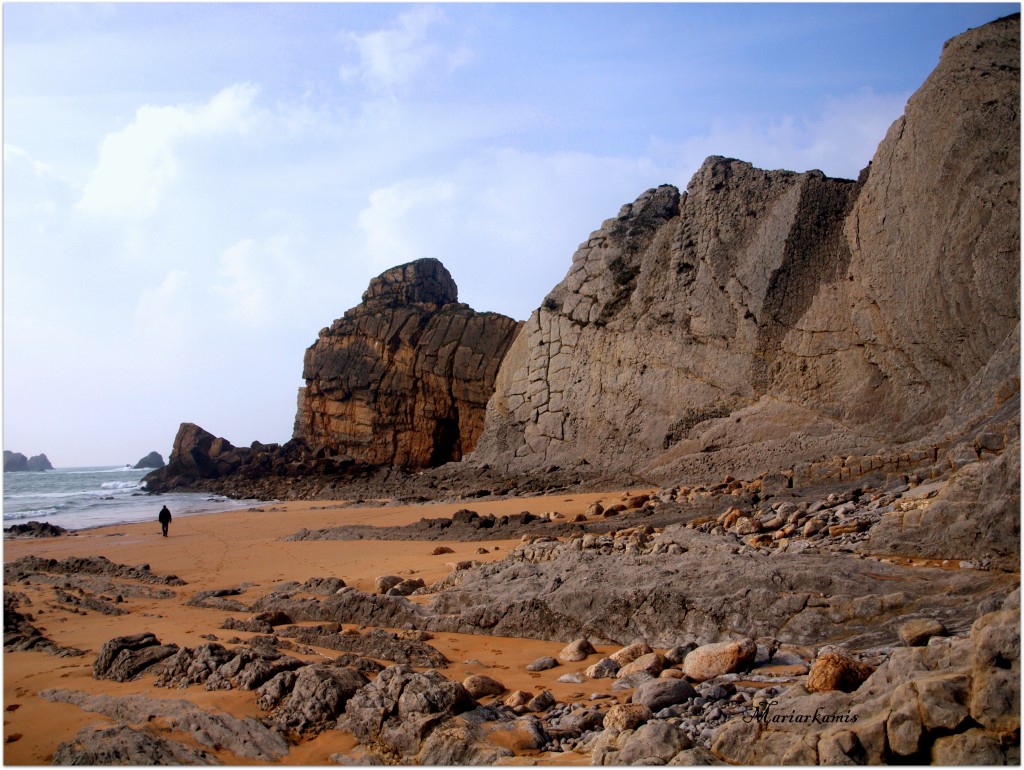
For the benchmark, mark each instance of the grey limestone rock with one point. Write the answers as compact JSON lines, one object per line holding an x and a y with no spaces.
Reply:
{"x":317,"y":697}
{"x":401,"y":707}
{"x":657,"y":694}
{"x":125,"y":657}
{"x":123,"y":745}
{"x":247,"y":738}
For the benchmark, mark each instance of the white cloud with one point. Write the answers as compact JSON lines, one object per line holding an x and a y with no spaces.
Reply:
{"x":397,"y":221}
{"x":162,"y":311}
{"x":505,"y":224}
{"x":138,"y":163}
{"x":390,"y":59}
{"x":257,"y":277}
{"x":839,"y":140}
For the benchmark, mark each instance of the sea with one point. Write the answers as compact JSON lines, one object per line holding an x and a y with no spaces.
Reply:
{"x":82,"y":498}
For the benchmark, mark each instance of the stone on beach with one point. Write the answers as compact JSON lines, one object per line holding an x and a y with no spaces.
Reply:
{"x":711,"y":660}
{"x":576,"y":651}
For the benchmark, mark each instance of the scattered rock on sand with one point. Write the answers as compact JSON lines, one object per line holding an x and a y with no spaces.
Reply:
{"x":626,"y":716}
{"x":711,"y":660}
{"x":653,"y":663}
{"x":542,"y":664}
{"x":631,"y":652}
{"x":605,"y":668}
{"x":35,"y":529}
{"x":385,"y":583}
{"x":657,"y":694}
{"x":576,"y":651}
{"x":480,"y":686}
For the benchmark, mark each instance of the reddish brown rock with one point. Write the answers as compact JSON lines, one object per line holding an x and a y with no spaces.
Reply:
{"x":403,"y":379}
{"x":833,"y":671}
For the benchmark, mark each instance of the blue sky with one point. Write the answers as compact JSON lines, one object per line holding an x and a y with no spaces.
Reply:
{"x":191,"y":191}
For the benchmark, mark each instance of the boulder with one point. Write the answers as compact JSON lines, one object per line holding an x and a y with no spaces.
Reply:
{"x":385,"y":583}
{"x":835,"y":671}
{"x":658,"y":694}
{"x":626,"y":716}
{"x":631,"y":652}
{"x":542,"y":664}
{"x":711,"y":660}
{"x":480,"y":686}
{"x":917,"y":632}
{"x":653,"y":663}
{"x":606,"y":668}
{"x":576,"y":651}
{"x":650,"y":744}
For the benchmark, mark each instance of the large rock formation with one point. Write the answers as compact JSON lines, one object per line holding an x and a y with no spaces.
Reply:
{"x":403,"y":379}
{"x":763,"y":318}
{"x":16,"y":461}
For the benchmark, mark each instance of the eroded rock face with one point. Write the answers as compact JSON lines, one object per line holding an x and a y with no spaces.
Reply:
{"x":403,"y":379}
{"x":763,"y":318}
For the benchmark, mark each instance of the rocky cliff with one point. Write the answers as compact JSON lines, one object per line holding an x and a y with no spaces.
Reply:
{"x":403,"y":379}
{"x":763,"y":318}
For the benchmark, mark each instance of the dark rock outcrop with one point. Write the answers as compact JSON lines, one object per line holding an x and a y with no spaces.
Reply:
{"x":123,"y":658}
{"x":127,"y":746}
{"x":403,"y":379}
{"x":246,"y":738}
{"x":20,"y":634}
{"x":35,"y":529}
{"x":152,"y":460}
{"x":28,"y":566}
{"x":16,"y":461}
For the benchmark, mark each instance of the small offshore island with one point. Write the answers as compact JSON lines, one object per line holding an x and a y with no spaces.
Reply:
{"x":744,"y":489}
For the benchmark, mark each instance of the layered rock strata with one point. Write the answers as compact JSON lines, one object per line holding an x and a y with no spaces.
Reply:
{"x":403,"y":379}
{"x":767,"y":317}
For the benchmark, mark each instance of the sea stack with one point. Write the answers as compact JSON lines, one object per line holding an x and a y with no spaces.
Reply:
{"x":403,"y":378}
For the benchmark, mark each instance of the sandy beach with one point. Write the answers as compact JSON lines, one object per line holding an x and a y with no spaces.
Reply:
{"x":222,"y":550}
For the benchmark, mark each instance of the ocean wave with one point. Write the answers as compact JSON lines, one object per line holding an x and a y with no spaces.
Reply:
{"x":42,"y":513}
{"x":119,"y":485}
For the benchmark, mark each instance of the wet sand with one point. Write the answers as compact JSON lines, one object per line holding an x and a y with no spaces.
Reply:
{"x":224,"y":550}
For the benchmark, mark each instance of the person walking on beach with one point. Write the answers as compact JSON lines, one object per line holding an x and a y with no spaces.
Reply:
{"x":165,"y":519}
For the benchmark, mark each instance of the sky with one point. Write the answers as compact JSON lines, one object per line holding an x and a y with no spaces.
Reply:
{"x":192,"y":191}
